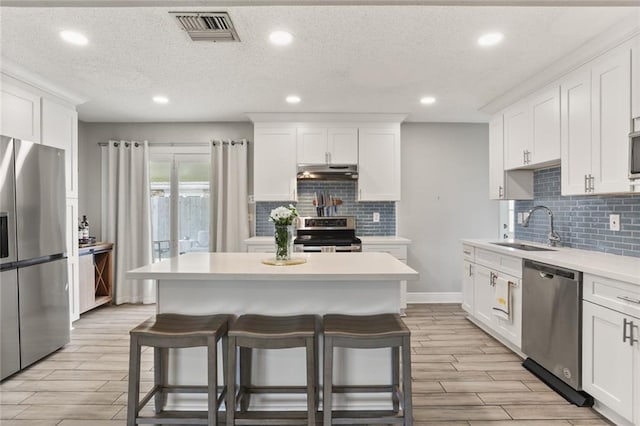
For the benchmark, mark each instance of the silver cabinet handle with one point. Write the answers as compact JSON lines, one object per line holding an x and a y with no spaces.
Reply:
{"x":524,"y":156}
{"x":492,"y":279}
{"x":630,"y":337}
{"x":629,"y":299}
{"x":591,"y":185}
{"x":329,"y":157}
{"x":467,"y":252}
{"x":500,"y":192}
{"x":586,"y":187}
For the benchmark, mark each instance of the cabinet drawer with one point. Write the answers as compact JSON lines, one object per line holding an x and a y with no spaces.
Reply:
{"x":468,"y":252}
{"x":397,"y":251}
{"x":499,"y":262}
{"x":617,"y":295}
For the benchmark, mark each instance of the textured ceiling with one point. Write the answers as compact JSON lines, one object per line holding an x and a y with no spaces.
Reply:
{"x":343,"y":58}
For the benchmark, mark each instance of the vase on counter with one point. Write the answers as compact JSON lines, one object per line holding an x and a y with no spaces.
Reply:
{"x":284,"y":241}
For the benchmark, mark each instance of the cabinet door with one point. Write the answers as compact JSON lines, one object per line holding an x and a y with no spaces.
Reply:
{"x":274,"y":164}
{"x":607,"y":362}
{"x":19,"y":113}
{"x":512,"y":330}
{"x":467,"y":286}
{"x":545,"y":126}
{"x":72,"y":258}
{"x":87,"y":283}
{"x":611,"y":122}
{"x":517,"y":133}
{"x":312,"y":146}
{"x":343,"y":145}
{"x":483,"y":295}
{"x":379,"y":164}
{"x":575,"y":141}
{"x":635,"y":75}
{"x":60,"y":130}
{"x":496,"y":158}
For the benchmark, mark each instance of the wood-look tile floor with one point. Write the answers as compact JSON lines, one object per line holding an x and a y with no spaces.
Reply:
{"x":461,"y":376}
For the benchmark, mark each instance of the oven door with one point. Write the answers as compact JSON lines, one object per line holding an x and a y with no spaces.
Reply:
{"x":338,"y":249}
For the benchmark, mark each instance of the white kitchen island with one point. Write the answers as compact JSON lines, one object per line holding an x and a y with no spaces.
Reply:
{"x":239,"y":283}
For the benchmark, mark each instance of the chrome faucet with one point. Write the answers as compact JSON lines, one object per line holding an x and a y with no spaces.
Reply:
{"x":554,"y":238}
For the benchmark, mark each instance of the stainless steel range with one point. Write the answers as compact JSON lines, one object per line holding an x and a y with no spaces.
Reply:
{"x":335,"y":233}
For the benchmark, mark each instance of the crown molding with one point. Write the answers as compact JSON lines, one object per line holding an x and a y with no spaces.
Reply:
{"x":616,"y":35}
{"x":324,"y":117}
{"x":18,"y":72}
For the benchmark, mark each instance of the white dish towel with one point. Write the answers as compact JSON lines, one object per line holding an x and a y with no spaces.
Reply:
{"x":502,"y":299}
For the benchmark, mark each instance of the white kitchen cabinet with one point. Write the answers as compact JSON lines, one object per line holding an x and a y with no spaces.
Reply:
{"x":505,"y":185}
{"x":545,"y":126}
{"x":19,"y":113}
{"x":483,"y":295}
{"x":60,"y":130}
{"x":467,"y":286}
{"x":611,"y":120}
{"x":596,"y":117}
{"x":575,"y":159}
{"x":274,"y":169}
{"x":610,"y":360}
{"x":396,"y":249}
{"x":379,"y":163}
{"x":72,"y":258}
{"x":517,"y":134}
{"x":635,"y":79}
{"x":318,"y":145}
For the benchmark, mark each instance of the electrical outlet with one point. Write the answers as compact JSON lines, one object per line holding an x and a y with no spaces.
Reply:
{"x":525,"y":215}
{"x":376,"y":217}
{"x":252,"y":200}
{"x":520,"y":214}
{"x":614,"y":222}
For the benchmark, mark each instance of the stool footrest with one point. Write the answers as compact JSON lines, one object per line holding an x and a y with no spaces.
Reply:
{"x":178,"y":418}
{"x":273,"y":389}
{"x":356,"y":417}
{"x":364,"y":388}
{"x":275,"y":418}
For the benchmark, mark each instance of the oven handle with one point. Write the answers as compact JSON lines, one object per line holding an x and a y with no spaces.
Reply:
{"x":341,"y":249}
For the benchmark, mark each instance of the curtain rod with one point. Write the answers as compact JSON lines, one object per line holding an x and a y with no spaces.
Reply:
{"x":186,"y":144}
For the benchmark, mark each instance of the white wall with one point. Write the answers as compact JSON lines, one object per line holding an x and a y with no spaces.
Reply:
{"x":90,"y":134}
{"x":445,"y":197}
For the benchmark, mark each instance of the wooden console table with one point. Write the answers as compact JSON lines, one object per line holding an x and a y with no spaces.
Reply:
{"x":96,"y":275}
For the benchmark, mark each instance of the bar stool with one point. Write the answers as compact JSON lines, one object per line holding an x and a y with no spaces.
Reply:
{"x":369,"y":331}
{"x":165,"y":331}
{"x":271,"y":332}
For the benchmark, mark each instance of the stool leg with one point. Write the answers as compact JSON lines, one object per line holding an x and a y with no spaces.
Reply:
{"x":245,"y":378}
{"x":212,"y":380}
{"x":316,"y":351}
{"x":225,"y":361}
{"x":134,"y":382}
{"x":395,"y":377}
{"x":311,"y":381}
{"x":406,"y":381}
{"x":160,"y":357}
{"x":328,"y":381}
{"x":231,"y":382}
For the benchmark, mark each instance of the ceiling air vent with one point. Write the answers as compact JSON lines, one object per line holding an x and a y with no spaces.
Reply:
{"x":207,"y":26}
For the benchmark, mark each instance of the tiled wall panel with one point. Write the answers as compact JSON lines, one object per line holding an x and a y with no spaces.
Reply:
{"x":582,"y":221}
{"x":344,"y":190}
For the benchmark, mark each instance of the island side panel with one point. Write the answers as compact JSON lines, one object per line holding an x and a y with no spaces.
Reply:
{"x":284,"y":366}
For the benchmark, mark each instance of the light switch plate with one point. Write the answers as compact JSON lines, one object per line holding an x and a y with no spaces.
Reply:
{"x":376,"y":217}
{"x":520,"y":214}
{"x":614,"y":222}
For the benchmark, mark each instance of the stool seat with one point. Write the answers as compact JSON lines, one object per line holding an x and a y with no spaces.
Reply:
{"x":264,"y":326}
{"x":382,"y":325}
{"x":176,"y":325}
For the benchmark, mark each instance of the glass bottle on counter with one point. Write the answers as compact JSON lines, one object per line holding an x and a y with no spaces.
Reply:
{"x":84,"y":230}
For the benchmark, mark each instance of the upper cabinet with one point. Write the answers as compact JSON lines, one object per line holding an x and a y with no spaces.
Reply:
{"x":19,"y":113}
{"x":379,"y":163}
{"x":60,"y":130}
{"x":321,"y":145}
{"x":532,"y":130}
{"x":596,"y":117}
{"x":635,"y":83}
{"x":505,"y":185}
{"x":274,"y":165}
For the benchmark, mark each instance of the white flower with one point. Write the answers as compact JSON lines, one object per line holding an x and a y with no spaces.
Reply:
{"x":283,"y":215}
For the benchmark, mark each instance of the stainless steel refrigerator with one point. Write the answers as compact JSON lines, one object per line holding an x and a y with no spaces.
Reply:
{"x":34,"y":291}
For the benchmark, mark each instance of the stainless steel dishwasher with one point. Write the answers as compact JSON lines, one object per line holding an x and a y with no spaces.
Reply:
{"x":552,"y":328}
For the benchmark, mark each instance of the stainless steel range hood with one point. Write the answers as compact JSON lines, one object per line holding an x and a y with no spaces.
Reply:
{"x":327,"y":172}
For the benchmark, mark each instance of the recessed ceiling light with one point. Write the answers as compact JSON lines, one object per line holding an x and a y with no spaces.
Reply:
{"x":490,"y":39}
{"x":293,"y":99}
{"x":428,"y":100}
{"x":74,"y":38}
{"x":280,"y":38}
{"x":161,"y":99}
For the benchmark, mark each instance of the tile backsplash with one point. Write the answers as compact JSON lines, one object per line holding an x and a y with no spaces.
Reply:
{"x":343,"y":190}
{"x":582,"y":220}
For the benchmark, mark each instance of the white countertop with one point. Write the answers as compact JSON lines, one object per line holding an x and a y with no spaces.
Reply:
{"x":365,"y":240}
{"x":621,"y":268}
{"x":249,"y":266}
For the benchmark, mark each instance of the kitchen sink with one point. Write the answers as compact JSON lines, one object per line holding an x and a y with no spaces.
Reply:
{"x":521,"y":246}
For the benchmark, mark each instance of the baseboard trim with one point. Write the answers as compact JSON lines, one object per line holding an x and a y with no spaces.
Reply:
{"x":432,"y":297}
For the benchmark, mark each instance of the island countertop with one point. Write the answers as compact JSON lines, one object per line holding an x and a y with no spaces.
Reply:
{"x":248,"y":267}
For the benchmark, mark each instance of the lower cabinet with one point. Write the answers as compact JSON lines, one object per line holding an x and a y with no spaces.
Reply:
{"x":467,"y":286}
{"x":399,"y":251}
{"x":96,"y":276}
